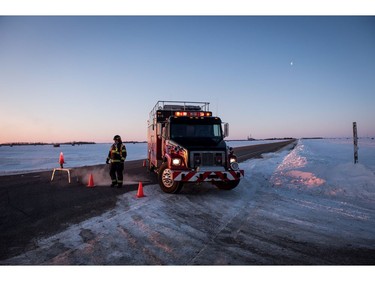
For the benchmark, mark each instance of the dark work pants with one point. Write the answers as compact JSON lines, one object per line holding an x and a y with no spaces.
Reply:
{"x":116,"y":173}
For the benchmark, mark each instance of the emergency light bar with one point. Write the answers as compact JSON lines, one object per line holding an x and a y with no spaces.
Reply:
{"x":193,"y":113}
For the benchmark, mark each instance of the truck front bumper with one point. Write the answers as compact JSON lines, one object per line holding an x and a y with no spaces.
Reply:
{"x":207,"y":176}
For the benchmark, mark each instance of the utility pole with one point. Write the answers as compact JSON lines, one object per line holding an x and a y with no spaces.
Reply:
{"x":355,"y":142}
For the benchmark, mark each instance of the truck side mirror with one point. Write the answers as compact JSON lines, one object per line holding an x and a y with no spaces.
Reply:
{"x":226,"y":130}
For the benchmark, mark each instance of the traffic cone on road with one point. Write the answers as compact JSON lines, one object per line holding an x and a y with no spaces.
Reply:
{"x":61,"y":160}
{"x":91,"y":181}
{"x":140,"y":190}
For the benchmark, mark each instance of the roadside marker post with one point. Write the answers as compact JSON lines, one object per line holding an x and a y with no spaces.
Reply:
{"x":355,"y":142}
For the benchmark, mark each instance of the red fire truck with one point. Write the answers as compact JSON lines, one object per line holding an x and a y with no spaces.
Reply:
{"x":186,"y":145}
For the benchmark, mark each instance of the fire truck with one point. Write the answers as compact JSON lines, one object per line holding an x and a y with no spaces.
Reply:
{"x":186,"y":145}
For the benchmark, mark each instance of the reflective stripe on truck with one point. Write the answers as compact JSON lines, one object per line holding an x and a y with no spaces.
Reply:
{"x":188,"y":176}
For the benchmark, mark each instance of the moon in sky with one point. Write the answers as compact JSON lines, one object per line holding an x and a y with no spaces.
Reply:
{"x":291,"y":63}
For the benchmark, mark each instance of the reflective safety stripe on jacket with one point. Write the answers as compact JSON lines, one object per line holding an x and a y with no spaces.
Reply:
{"x":117,"y":155}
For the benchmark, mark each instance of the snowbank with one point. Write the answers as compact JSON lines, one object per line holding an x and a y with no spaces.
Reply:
{"x":327,"y":167}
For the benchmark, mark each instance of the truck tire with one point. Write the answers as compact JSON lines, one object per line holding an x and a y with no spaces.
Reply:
{"x":166,"y":182}
{"x":227,"y":185}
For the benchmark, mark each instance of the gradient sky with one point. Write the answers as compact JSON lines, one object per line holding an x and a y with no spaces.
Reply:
{"x":89,"y":78}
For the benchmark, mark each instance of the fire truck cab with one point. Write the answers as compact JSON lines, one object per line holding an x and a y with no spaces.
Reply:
{"x":186,"y":145}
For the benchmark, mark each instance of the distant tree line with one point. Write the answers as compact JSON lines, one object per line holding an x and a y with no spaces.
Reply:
{"x":45,"y":143}
{"x":252,"y":139}
{"x":56,"y":144}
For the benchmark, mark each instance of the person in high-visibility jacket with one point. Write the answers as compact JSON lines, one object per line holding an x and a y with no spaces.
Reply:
{"x":116,"y":156}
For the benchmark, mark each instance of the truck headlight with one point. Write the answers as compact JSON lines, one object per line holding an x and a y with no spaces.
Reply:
{"x":233,"y":163}
{"x":176,"y":161}
{"x":232,"y":159}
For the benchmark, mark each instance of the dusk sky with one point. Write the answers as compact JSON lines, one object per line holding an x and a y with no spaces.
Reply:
{"x":66,"y":78}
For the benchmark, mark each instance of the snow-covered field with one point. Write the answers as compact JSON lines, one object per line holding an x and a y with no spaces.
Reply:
{"x":324,"y":168}
{"x":29,"y":158}
{"x":313,"y":194}
{"x":319,"y":186}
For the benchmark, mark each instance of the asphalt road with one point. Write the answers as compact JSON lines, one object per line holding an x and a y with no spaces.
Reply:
{"x":31,"y":206}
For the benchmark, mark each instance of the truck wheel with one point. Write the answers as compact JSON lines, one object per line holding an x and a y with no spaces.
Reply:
{"x":227,"y":185}
{"x":166,"y":181}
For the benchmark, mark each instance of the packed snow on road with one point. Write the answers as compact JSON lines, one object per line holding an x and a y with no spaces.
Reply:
{"x":310,"y":194}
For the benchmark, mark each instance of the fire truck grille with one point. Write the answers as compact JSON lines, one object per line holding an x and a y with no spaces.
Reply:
{"x":200,"y":158}
{"x":208,"y":159}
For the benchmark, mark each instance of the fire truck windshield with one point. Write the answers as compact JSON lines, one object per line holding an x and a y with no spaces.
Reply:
{"x":186,"y":130}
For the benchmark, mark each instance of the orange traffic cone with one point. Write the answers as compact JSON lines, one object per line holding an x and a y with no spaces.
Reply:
{"x":140,"y":190}
{"x":61,"y":160}
{"x":91,"y":181}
